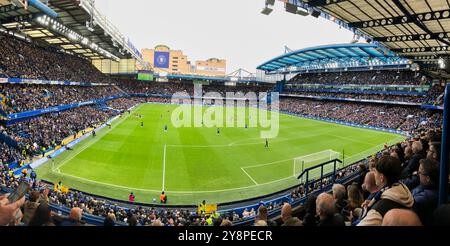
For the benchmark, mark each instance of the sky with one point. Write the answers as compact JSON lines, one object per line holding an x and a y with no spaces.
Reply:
{"x":234,"y":30}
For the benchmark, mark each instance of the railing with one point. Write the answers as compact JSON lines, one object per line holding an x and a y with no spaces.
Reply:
{"x":445,"y":151}
{"x":307,"y":172}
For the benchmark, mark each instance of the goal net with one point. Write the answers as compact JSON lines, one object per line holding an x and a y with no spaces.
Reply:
{"x":303,"y":162}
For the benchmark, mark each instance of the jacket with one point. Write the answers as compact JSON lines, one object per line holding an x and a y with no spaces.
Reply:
{"x":413,"y":165}
{"x":333,"y":220}
{"x":425,"y":202}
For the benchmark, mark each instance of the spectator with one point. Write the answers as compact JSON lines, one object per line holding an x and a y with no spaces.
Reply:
{"x":339,"y":193}
{"x":401,"y":217}
{"x":394,"y":194}
{"x":157,"y":223}
{"x":326,"y":210}
{"x":262,"y":223}
{"x":413,"y":164}
{"x":310,"y":218}
{"x":42,"y":216}
{"x":226,"y":222}
{"x":286,"y":216}
{"x":74,"y":218}
{"x":374,"y":194}
{"x":355,"y":200}
{"x":30,"y":206}
{"x":132,"y":221}
{"x":262,"y":215}
{"x":434,"y":151}
{"x":426,"y":194}
{"x":109,"y":221}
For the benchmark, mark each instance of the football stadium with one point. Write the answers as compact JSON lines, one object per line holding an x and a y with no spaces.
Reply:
{"x":97,"y":131}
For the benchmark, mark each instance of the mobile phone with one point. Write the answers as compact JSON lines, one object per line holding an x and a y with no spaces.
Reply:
{"x":19,"y":192}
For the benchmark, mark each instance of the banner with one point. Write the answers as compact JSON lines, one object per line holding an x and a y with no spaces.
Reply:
{"x":214,"y":69}
{"x":47,"y":82}
{"x":207,"y":208}
{"x":17,"y":117}
{"x":161,"y":59}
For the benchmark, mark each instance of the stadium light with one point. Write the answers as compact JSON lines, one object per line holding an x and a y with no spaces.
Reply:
{"x":267,"y":10}
{"x":441,"y":63}
{"x":294,"y":9}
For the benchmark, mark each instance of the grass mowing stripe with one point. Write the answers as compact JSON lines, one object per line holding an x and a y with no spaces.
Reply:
{"x":66,"y":160}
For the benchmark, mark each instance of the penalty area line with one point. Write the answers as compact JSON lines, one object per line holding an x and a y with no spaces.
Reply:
{"x":249,"y":176}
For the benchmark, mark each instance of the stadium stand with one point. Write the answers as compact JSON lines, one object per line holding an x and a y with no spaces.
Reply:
{"x":21,"y":59}
{"x":361,"y":78}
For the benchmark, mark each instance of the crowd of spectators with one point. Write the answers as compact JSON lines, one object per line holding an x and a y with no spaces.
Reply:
{"x":27,"y":97}
{"x":9,"y":154}
{"x":123,"y":104}
{"x":141,"y":87}
{"x":377,"y":115}
{"x":378,"y":97}
{"x":436,"y":95}
{"x":42,"y":133}
{"x":363,"y":77}
{"x":22,"y":59}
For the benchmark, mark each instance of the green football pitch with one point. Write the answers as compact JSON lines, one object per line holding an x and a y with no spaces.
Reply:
{"x":195,"y":164}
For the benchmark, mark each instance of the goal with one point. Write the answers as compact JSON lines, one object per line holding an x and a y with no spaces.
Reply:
{"x":303,"y":162}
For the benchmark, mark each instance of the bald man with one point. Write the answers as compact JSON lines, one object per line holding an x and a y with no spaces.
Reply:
{"x":401,"y":217}
{"x":325,"y":209}
{"x":286,"y":216}
{"x":74,"y":218}
{"x":370,"y":186}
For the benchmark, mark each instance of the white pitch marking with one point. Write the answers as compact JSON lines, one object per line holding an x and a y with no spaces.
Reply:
{"x":164,"y":168}
{"x":249,"y":176}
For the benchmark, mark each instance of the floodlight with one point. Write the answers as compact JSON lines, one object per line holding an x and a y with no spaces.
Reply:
{"x":266,"y":10}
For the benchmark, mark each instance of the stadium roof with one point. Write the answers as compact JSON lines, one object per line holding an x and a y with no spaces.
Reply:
{"x":337,"y":55}
{"x":75,"y":26}
{"x":419,"y":29}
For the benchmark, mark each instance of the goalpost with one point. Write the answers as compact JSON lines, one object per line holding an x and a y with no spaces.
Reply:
{"x":303,"y":162}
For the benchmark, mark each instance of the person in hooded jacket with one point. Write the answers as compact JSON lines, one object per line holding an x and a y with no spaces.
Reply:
{"x":394,"y":195}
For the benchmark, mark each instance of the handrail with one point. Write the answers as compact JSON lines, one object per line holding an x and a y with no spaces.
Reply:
{"x":445,"y":150}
